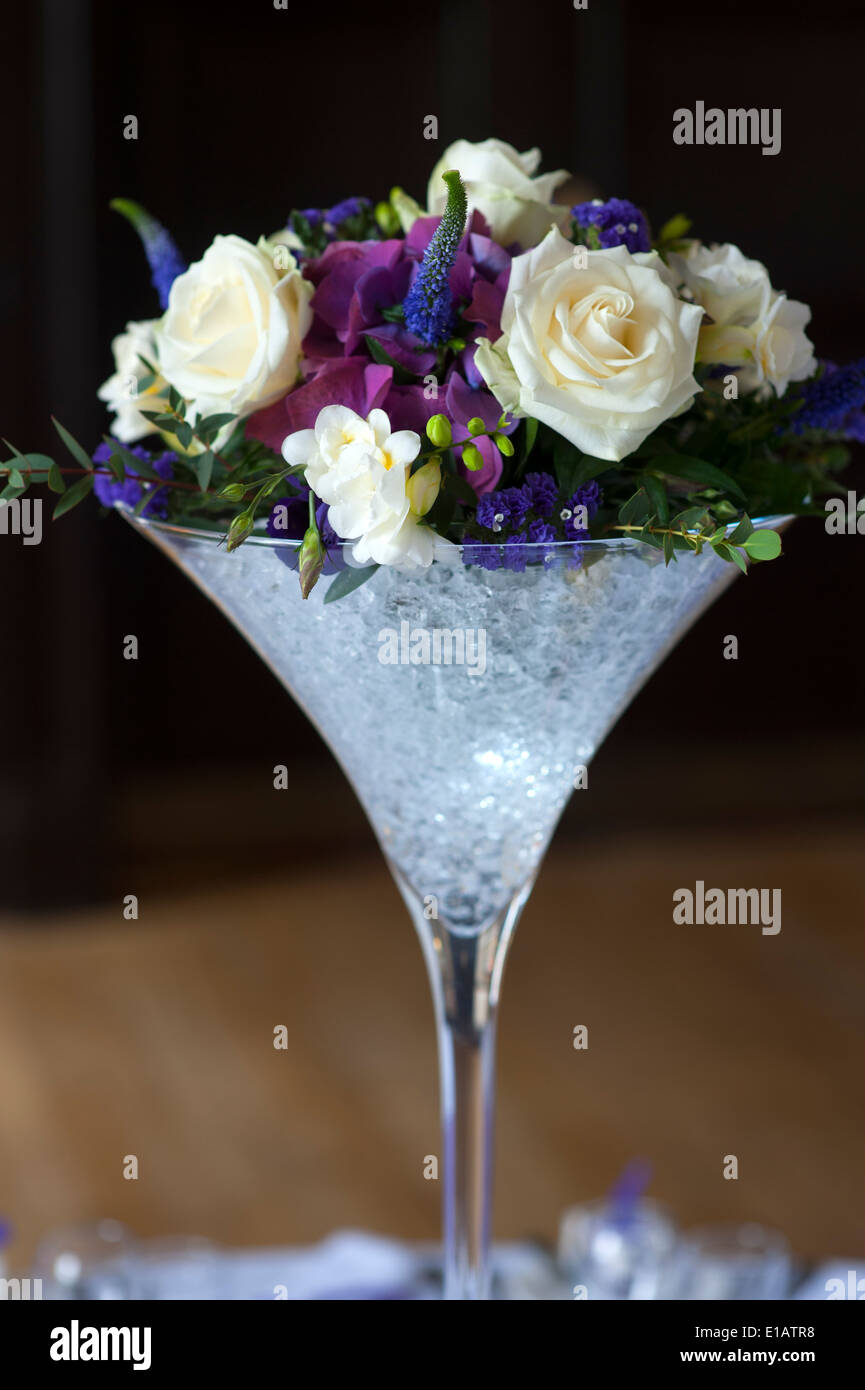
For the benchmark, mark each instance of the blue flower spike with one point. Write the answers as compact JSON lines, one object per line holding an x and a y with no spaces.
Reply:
{"x":429,"y":307}
{"x":165,"y":261}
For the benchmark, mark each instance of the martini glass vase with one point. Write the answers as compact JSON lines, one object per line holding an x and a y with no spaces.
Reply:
{"x":463,"y":702}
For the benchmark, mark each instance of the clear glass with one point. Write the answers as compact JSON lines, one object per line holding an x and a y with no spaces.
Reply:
{"x":733,"y":1262}
{"x":462,"y":703}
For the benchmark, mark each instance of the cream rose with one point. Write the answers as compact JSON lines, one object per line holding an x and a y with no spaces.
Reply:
{"x":754,"y":327}
{"x":499,"y":182}
{"x":361,"y":469}
{"x":230,"y":339}
{"x":121,"y":391}
{"x":594,"y":344}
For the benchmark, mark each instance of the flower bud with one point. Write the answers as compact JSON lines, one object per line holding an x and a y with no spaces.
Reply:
{"x":422,"y":488}
{"x":312,"y":556}
{"x":235,"y":492}
{"x":239,"y":529}
{"x":387,"y":219}
{"x":476,"y":425}
{"x":472,"y":457}
{"x":504,"y":445}
{"x":439,"y":431}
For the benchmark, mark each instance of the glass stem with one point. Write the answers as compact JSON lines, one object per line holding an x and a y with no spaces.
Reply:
{"x":465,"y":971}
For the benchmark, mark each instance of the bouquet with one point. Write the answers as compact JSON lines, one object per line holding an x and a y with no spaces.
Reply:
{"x":497,"y":371}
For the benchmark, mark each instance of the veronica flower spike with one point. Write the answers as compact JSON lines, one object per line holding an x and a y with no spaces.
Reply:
{"x":428,"y":306}
{"x":163,"y":257}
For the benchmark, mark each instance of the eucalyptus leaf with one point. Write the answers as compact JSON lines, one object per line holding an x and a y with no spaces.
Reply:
{"x":763,"y":545}
{"x":74,"y":448}
{"x":695,"y":470}
{"x":347,"y":581}
{"x":73,"y":495}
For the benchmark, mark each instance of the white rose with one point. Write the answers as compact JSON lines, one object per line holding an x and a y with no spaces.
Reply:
{"x":754,"y":327}
{"x":230,"y":339}
{"x":595,"y":345}
{"x":782,"y":350}
{"x":120,"y":392}
{"x":498,"y":182}
{"x":731,"y":288}
{"x":361,"y":470}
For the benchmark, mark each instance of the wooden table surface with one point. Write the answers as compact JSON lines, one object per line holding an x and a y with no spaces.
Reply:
{"x":155,"y":1038}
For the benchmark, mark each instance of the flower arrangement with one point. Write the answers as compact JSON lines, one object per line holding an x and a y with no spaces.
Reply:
{"x":498,"y":370}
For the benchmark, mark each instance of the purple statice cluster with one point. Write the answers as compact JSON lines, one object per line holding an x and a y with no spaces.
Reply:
{"x":289,"y":519}
{"x":616,"y":222}
{"x":834,"y":401}
{"x":321,"y":226}
{"x":512,"y":522}
{"x":128,"y":493}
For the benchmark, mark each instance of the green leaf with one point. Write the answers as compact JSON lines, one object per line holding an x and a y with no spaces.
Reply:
{"x":689,"y":520}
{"x":636,"y":509}
{"x":209,"y":428}
{"x":73,"y":496}
{"x":203,"y":465}
{"x":74,"y":448}
{"x":742,"y":532}
{"x":657,"y":496}
{"x":55,"y":479}
{"x":183,"y":433}
{"x":697,"y":471}
{"x":763,"y":545}
{"x":132,"y":462}
{"x":529,"y":440}
{"x":347,"y":581}
{"x":384,"y":359}
{"x":669,"y":548}
{"x":16,"y":480}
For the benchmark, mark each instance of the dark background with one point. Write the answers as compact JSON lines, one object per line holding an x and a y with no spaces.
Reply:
{"x":245,"y":112}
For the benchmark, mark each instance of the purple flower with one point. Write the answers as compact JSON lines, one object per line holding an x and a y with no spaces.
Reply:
{"x":430,"y":311}
{"x":129,"y":492}
{"x":163,"y":257}
{"x":348,"y":208}
{"x":617,"y":222}
{"x":543,"y":491}
{"x":834,"y":401}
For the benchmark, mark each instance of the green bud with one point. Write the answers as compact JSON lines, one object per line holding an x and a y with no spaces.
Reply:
{"x":439,"y":431}
{"x":476,"y":425}
{"x":387,"y":219}
{"x":472,"y":458}
{"x":235,"y":492}
{"x":311,"y":561}
{"x":239,"y":529}
{"x":505,"y":445}
{"x":422,"y":488}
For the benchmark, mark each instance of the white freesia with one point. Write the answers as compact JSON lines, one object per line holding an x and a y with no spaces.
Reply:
{"x":499,"y":182}
{"x":231,"y":336}
{"x":360,"y":468}
{"x":754,"y":327}
{"x":121,"y":391}
{"x":594,"y":344}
